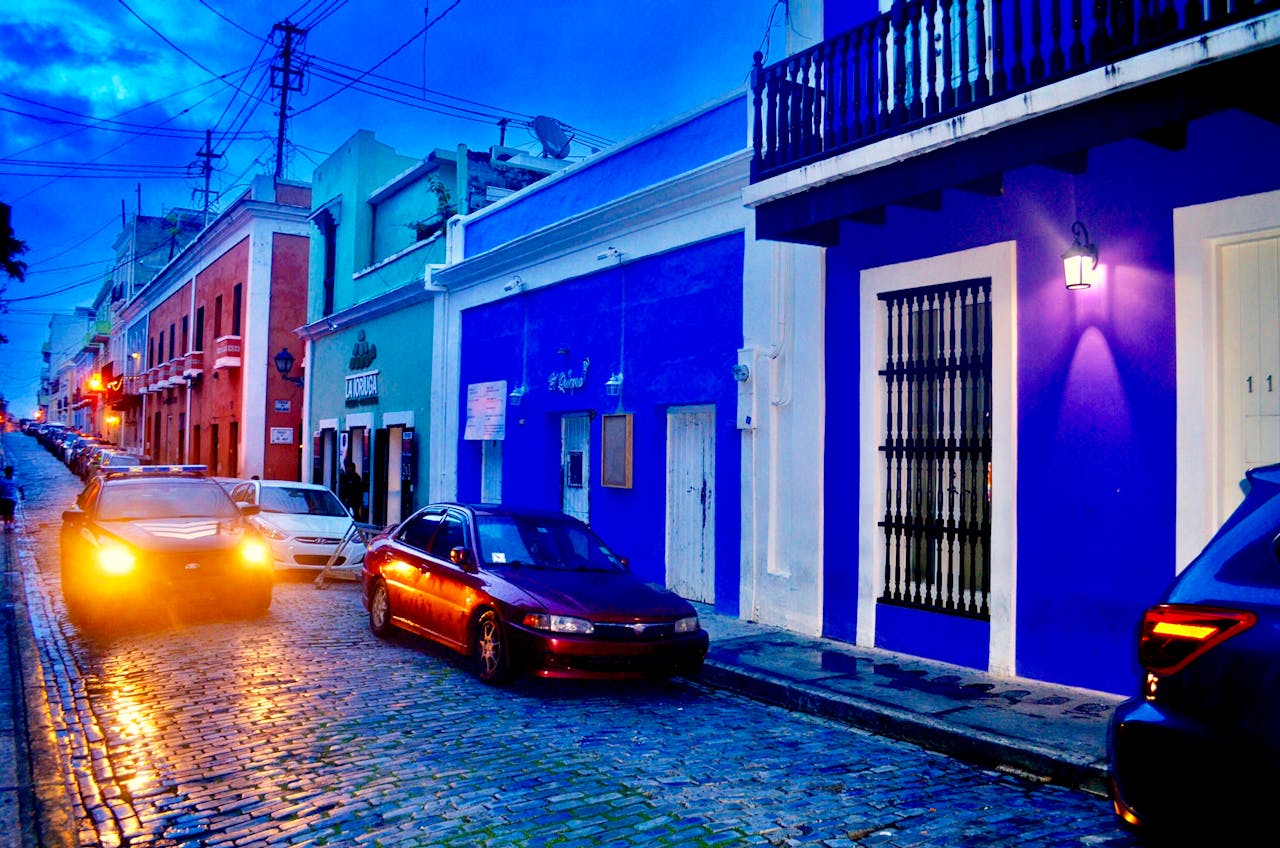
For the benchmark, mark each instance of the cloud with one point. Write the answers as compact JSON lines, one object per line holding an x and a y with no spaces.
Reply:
{"x":78,"y":53}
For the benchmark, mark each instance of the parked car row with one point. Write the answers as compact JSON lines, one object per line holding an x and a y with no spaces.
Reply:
{"x":84,"y":453}
{"x":516,"y":590}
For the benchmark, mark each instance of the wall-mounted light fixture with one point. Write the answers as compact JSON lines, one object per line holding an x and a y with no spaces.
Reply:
{"x":613,"y":385}
{"x":284,"y":364}
{"x":1080,"y":260}
{"x":517,"y":394}
{"x":609,"y":252}
{"x":515,"y":285}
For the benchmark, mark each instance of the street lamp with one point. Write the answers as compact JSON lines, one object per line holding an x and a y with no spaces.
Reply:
{"x":284,"y":364}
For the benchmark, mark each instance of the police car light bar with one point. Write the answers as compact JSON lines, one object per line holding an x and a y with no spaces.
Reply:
{"x":154,"y":469}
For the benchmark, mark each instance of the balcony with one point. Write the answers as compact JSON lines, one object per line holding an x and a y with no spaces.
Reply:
{"x":153,"y":379}
{"x":193,"y":365}
{"x":135,"y":384}
{"x":173,"y":372}
{"x":226,"y":352}
{"x":875,"y":115}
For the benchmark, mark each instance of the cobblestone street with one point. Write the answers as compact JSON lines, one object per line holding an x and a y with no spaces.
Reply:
{"x":301,"y":728}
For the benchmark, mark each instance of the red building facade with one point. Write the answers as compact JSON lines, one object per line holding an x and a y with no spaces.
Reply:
{"x":206,"y":332}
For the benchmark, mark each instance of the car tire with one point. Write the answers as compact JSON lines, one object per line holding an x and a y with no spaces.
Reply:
{"x":380,"y":610}
{"x":490,"y":650}
{"x":255,"y":602}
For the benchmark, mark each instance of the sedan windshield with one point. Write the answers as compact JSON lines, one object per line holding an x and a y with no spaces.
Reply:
{"x":543,"y":543}
{"x":301,"y":501}
{"x":127,"y":499}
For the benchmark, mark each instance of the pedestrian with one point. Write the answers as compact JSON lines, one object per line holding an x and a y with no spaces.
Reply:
{"x":10,"y":490}
{"x":351,"y":488}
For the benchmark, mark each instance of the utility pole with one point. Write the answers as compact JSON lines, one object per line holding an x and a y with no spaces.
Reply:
{"x":289,"y":79}
{"x":208,"y":156}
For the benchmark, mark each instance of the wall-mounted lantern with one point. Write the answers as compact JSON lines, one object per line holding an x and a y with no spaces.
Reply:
{"x":284,"y":364}
{"x":516,"y":395}
{"x":1080,"y":260}
{"x":613,"y":385}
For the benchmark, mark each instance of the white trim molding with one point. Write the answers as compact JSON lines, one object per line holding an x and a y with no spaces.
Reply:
{"x":999,"y":263}
{"x":1198,"y":233}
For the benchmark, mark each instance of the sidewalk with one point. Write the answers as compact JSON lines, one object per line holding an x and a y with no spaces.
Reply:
{"x":16,"y":803}
{"x":1048,"y":732}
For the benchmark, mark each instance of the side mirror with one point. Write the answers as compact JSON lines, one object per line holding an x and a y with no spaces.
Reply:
{"x":462,"y":558}
{"x":72,"y":516}
{"x":1275,"y":547}
{"x":249,"y":509}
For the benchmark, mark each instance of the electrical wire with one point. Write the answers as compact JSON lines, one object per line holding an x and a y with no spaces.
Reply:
{"x":383,"y":60}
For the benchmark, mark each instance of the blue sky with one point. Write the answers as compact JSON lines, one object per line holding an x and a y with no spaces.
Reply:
{"x":103,"y":101}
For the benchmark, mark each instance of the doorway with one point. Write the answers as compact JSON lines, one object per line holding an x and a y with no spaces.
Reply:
{"x":691,"y":504}
{"x":575,"y":465}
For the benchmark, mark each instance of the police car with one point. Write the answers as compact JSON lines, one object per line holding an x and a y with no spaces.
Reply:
{"x":144,"y":538}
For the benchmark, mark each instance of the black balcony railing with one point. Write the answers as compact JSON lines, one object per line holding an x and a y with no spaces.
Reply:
{"x":928,"y":60}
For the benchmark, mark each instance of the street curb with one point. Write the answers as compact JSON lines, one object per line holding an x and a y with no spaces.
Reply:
{"x":968,"y":744}
{"x":52,"y":819}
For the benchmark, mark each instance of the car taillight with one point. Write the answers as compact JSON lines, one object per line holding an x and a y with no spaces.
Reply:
{"x":1173,"y":634}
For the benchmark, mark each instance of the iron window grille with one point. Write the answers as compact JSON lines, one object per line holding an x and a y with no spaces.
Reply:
{"x":937,"y":448}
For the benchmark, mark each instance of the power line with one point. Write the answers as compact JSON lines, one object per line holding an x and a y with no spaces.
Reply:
{"x":383,"y":60}
{"x":165,"y":39}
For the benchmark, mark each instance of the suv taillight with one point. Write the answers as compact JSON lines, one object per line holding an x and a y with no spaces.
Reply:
{"x":1174,"y":634}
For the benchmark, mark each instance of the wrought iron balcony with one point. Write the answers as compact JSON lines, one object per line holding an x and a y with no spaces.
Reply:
{"x":930,"y":61}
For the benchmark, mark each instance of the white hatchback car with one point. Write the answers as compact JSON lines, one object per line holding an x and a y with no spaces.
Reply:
{"x":305,"y":524}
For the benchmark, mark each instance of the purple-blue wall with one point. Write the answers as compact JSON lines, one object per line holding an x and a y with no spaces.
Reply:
{"x":718,"y":132}
{"x":1096,"y":387}
{"x":672,"y":323}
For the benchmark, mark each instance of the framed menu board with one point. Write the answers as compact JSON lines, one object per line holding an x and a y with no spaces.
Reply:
{"x":615,"y":460}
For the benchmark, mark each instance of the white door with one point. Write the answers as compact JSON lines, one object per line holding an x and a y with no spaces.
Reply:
{"x":575,"y":465}
{"x":691,"y":503}
{"x":1251,"y":361}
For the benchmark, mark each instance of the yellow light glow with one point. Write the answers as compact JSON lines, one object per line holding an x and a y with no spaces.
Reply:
{"x":254,"y":552}
{"x":95,"y":383}
{"x":113,"y":420}
{"x":1183,"y":631}
{"x":117,"y":561}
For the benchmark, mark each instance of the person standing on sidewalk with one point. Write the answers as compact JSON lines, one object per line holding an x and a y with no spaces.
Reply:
{"x":10,"y":490}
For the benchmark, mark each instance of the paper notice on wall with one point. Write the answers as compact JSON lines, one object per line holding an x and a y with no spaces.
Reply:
{"x":486,"y":411}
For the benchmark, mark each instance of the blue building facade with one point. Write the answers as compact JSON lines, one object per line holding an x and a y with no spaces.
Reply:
{"x":592,"y":323}
{"x":1031,"y":465}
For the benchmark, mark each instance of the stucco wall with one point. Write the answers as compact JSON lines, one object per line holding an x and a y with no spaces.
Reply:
{"x":1096,"y":417}
{"x":672,"y":324}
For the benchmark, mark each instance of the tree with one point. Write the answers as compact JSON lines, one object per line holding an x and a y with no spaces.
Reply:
{"x":11,"y":248}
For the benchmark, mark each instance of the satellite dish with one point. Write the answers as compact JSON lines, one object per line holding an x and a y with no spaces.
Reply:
{"x":554,"y":142}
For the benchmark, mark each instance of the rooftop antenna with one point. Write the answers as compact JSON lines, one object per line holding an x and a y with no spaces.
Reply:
{"x":555,"y":144}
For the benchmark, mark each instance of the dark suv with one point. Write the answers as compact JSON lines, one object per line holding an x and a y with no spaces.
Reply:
{"x":145,"y":535}
{"x":1197,"y":751}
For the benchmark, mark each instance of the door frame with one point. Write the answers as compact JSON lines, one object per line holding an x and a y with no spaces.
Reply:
{"x":1198,"y":232}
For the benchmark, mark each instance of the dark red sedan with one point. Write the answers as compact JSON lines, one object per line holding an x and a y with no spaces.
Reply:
{"x":526,"y":590}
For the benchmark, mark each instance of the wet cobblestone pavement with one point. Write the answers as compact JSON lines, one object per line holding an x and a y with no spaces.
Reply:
{"x":301,"y":728}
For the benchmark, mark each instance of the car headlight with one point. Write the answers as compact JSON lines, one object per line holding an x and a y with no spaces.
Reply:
{"x":687,"y":625}
{"x":558,"y":623}
{"x":254,"y":552}
{"x":272,"y":533}
{"x":116,"y":560}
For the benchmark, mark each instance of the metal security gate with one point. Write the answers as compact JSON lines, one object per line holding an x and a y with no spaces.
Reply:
{"x":937,"y":448}
{"x":575,"y":466}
